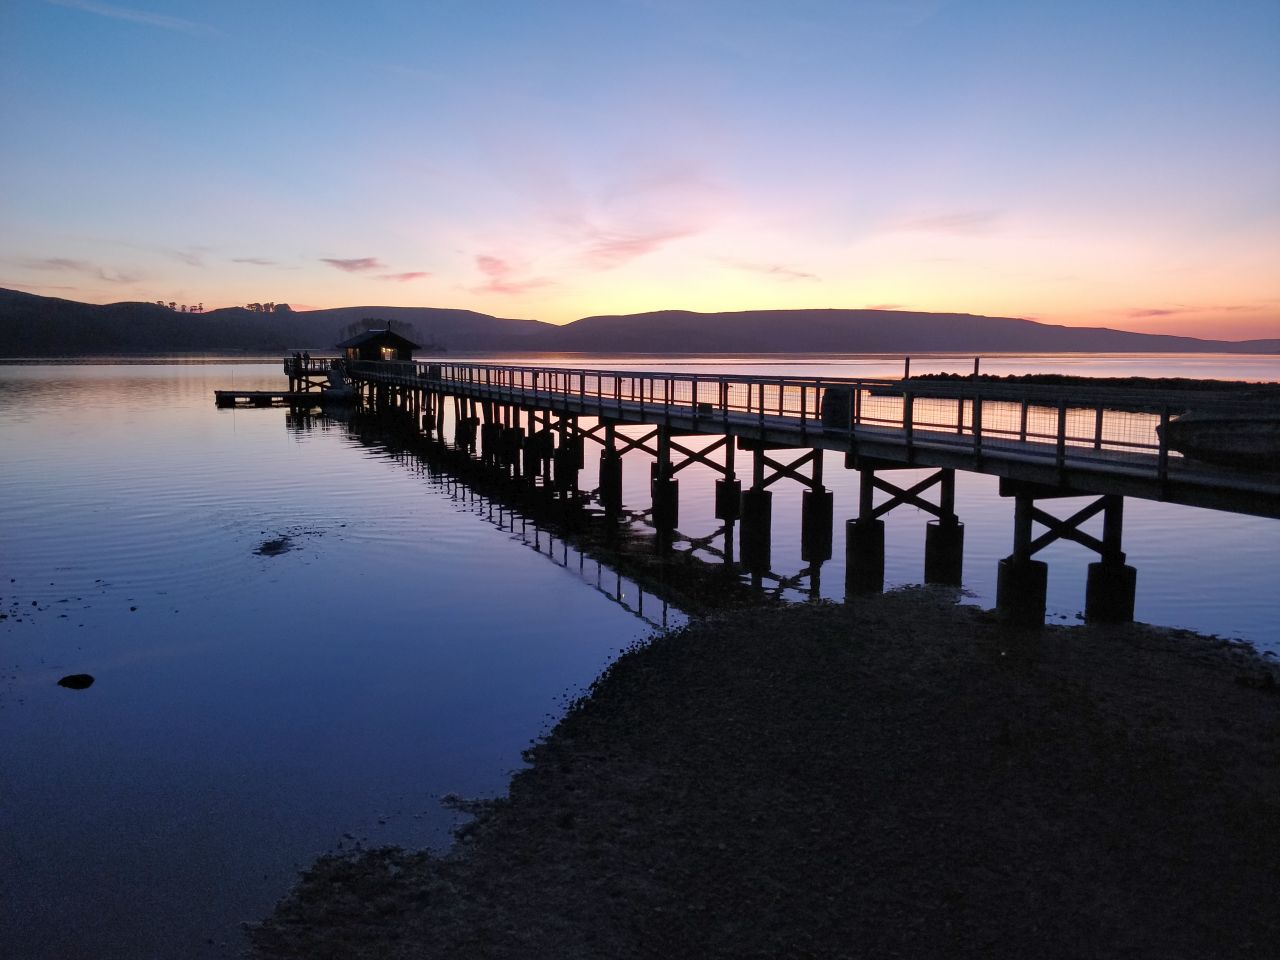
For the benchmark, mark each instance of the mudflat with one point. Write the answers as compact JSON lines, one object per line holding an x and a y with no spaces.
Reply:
{"x":900,"y":777}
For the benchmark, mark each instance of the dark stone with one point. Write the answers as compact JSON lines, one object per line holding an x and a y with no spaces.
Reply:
{"x":76,"y":681}
{"x":273,"y":548}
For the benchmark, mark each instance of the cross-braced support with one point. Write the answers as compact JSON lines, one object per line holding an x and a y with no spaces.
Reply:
{"x":757,"y":506}
{"x":1021,"y":586}
{"x":864,"y":536}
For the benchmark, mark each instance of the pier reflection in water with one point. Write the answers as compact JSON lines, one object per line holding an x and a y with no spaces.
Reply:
{"x":535,"y":423}
{"x":539,"y":530}
{"x":551,"y":452}
{"x":654,"y":574}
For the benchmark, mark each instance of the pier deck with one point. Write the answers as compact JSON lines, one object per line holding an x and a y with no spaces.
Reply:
{"x":1062,"y":438}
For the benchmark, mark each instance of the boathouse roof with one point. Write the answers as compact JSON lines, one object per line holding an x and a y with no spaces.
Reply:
{"x":388,"y":337}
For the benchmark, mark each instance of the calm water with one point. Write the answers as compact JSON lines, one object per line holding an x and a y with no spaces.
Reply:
{"x":251,"y":711}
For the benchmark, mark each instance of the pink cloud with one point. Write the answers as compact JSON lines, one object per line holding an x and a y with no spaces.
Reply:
{"x":501,"y":273}
{"x":886,"y":306}
{"x":606,"y":250}
{"x":404,"y":277}
{"x":641,"y":213}
{"x":354,"y":265}
{"x":1140,"y":313}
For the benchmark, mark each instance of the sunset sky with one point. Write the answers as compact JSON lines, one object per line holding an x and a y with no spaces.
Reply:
{"x":1103,"y":163}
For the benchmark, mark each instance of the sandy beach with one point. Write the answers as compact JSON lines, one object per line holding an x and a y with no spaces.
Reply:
{"x":901,"y":777}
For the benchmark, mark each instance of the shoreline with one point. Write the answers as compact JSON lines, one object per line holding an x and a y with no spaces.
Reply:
{"x":900,"y":776}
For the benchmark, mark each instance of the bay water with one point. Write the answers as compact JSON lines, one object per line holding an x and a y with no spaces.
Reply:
{"x":302,"y":639}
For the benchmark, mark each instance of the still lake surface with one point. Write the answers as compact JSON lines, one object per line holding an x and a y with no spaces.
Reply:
{"x":251,"y":711}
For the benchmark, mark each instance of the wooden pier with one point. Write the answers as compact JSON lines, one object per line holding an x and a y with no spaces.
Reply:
{"x":1045,"y":443}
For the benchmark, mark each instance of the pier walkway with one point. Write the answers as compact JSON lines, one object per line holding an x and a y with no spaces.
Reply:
{"x":1099,"y":441}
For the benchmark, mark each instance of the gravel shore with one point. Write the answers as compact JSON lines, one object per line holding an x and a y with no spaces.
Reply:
{"x":901,"y":777}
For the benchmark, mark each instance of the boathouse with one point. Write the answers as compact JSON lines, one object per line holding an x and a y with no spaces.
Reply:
{"x":378,"y":345}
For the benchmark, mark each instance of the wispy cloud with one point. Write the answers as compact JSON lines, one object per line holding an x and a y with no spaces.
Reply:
{"x":146,"y":18}
{"x":255,"y":261}
{"x":885,"y":306}
{"x":639,"y":214}
{"x":355,"y":265}
{"x":1148,"y":313}
{"x":607,"y":249}
{"x":503,"y":277}
{"x":191,"y":256}
{"x":404,"y":277}
{"x":960,"y":223}
{"x":98,"y":272}
{"x":769,"y":269}
{"x":1142,"y":313}
{"x":13,"y":285}
{"x":58,"y":263}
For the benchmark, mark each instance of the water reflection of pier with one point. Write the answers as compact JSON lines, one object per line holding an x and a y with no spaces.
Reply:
{"x":533,"y":424}
{"x":654,"y":575}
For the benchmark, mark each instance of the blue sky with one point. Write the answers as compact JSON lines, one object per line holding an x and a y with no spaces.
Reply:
{"x":1090,"y":163}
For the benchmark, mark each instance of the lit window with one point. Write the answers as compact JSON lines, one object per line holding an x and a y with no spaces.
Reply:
{"x":388,"y":353}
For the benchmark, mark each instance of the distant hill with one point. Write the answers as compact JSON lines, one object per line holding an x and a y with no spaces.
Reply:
{"x":862,"y":331}
{"x":35,"y":326}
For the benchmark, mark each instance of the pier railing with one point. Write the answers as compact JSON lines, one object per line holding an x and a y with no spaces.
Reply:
{"x":298,"y":366}
{"x":1074,"y":435}
{"x":969,"y":413}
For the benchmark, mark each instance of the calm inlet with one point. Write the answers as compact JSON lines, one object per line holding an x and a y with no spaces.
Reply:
{"x":301,"y":639}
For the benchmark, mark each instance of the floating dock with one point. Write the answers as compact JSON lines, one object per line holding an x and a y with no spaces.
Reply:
{"x":266,"y":398}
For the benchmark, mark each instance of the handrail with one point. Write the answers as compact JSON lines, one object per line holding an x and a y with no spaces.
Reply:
{"x":1063,"y":424}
